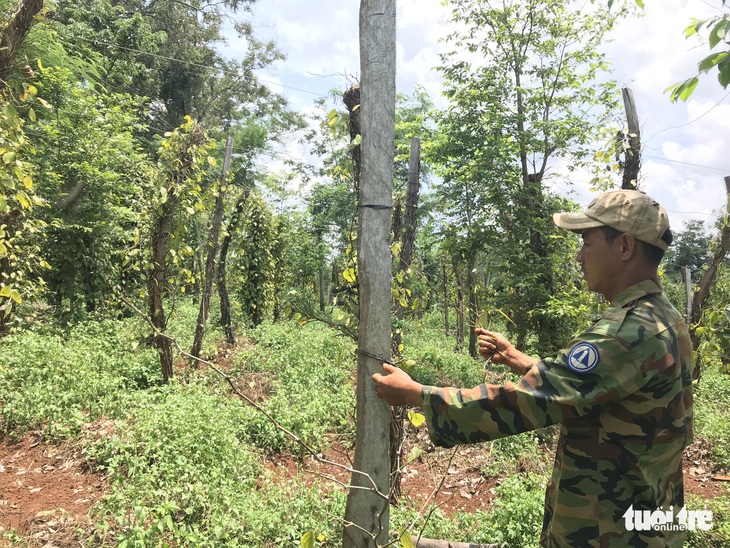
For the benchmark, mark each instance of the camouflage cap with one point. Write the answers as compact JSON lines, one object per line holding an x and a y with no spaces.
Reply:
{"x":626,"y":211}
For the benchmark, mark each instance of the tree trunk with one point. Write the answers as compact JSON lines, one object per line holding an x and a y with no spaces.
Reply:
{"x":322,"y":289}
{"x":445,"y":289}
{"x":367,"y":510}
{"x":398,"y":414}
{"x":705,"y":283}
{"x":471,"y":290}
{"x":632,"y":157}
{"x":225,"y":302}
{"x":212,"y":249}
{"x":14,"y":32}
{"x":460,"y":306}
{"x":156,"y":283}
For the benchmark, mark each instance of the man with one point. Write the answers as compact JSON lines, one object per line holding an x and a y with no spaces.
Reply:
{"x":621,"y":391}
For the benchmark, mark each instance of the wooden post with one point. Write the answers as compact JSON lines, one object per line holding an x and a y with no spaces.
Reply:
{"x":367,"y":510}
{"x":632,"y":157}
{"x":688,"y":290}
{"x":212,"y":249}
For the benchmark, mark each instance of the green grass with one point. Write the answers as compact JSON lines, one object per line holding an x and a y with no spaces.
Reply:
{"x":55,"y":381}
{"x":185,"y":461}
{"x":712,"y":414}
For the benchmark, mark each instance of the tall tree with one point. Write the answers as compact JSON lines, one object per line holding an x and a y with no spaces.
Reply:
{"x":169,"y":51}
{"x":542,"y":66}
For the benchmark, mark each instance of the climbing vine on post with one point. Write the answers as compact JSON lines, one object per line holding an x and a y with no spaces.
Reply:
{"x":182,"y":157}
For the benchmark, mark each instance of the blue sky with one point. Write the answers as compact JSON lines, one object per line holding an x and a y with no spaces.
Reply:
{"x":686,"y":145}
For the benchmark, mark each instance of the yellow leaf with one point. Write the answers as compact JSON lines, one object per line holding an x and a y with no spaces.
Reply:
{"x":40,"y":65}
{"x":28,"y":182}
{"x":15,"y":296}
{"x":349,"y":275}
{"x":45,"y":103}
{"x":22,"y":200}
{"x":417,"y":419}
{"x":5,"y":291}
{"x":307,"y":540}
{"x":33,"y":90}
{"x":406,"y":541}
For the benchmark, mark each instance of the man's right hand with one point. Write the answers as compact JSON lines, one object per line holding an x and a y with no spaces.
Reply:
{"x":495,"y":347}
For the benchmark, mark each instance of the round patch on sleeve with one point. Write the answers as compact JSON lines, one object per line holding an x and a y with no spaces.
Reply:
{"x":583,"y":357}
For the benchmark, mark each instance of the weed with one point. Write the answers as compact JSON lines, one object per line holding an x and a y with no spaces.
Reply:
{"x":58,"y":380}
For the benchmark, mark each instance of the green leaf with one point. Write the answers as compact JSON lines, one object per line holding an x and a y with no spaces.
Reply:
{"x":711,"y":60}
{"x":718,"y":32}
{"x":10,"y":112}
{"x":688,"y":87}
{"x":308,"y":540}
{"x":415,"y":452}
{"x":9,"y":157}
{"x":31,"y":114}
{"x":724,"y":74}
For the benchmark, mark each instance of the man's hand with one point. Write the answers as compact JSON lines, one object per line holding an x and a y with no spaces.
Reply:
{"x":396,"y":387}
{"x":495,"y":347}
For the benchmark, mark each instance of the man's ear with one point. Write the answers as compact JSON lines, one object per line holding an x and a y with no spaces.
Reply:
{"x":628,"y":245}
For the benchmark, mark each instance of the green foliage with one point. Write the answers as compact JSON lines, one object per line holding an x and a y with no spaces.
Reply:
{"x":713,"y":330}
{"x":310,"y":392}
{"x":181,"y":466}
{"x":717,"y":30}
{"x":56,"y":381}
{"x":514,"y":454}
{"x":719,"y":533}
{"x":539,"y":95}
{"x":712,"y":414}
{"x":95,"y":178}
{"x":690,"y":247}
{"x":254,"y":265}
{"x":438,"y":363}
{"x":21,"y":233}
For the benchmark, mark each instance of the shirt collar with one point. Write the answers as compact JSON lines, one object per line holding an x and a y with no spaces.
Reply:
{"x":643,"y":288}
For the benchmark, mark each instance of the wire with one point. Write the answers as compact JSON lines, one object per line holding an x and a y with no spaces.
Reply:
{"x":691,"y":121}
{"x":726,"y":170}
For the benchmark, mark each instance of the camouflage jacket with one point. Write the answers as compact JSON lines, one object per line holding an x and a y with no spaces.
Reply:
{"x":622,"y":394}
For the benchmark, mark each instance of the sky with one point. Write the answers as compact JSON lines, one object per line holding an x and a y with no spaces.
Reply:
{"x":686,"y":146}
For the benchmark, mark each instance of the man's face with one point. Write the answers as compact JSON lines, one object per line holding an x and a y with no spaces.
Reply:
{"x":599,"y":261}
